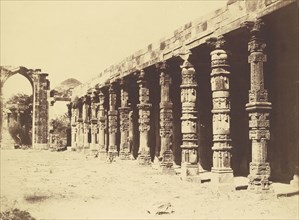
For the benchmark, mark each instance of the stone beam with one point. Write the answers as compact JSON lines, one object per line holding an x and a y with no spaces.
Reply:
{"x":191,"y":35}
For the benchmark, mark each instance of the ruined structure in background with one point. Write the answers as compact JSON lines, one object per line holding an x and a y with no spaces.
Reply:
{"x":40,"y":86}
{"x":59,"y":122}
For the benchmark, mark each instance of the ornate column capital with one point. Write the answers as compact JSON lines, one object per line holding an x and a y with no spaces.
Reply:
{"x":162,"y":66}
{"x":216,"y":42}
{"x":185,"y":56}
{"x":256,"y":42}
{"x":255,"y":27}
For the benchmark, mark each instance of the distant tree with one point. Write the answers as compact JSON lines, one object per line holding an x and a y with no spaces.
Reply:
{"x":60,"y":124}
{"x":59,"y":130}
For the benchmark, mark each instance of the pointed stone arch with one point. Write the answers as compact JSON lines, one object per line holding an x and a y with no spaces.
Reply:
{"x":40,"y":86}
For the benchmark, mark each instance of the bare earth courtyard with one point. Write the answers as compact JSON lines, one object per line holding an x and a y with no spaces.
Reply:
{"x":70,"y":185}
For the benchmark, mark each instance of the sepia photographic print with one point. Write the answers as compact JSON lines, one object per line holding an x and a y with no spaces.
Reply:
{"x":149,"y":109}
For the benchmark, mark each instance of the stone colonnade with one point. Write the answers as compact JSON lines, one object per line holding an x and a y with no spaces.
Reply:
{"x":107,"y":110}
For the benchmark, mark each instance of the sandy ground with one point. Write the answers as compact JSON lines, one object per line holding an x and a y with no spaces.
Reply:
{"x":70,"y":185}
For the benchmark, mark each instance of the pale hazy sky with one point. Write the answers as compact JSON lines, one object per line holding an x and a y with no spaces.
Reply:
{"x":79,"y":39}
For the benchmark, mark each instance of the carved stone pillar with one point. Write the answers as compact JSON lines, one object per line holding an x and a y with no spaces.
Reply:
{"x":74,"y":126}
{"x":166,"y":124}
{"x":221,"y":170}
{"x":144,"y":106}
{"x":40,"y":111}
{"x":85,"y":117}
{"x":102,"y":126}
{"x":124,"y":110}
{"x":131,"y":134}
{"x":94,"y":123}
{"x":112,"y":124}
{"x":258,"y":109}
{"x":79,"y":125}
{"x":189,"y":165}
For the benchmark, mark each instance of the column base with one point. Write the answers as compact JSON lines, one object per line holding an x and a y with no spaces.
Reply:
{"x":260,"y":193}
{"x":259,"y":180}
{"x":167,"y":159}
{"x":73,"y":147}
{"x":144,"y":158}
{"x":79,"y":148}
{"x":102,"y":155}
{"x":110,"y":157}
{"x":112,"y":154}
{"x":295,"y":182}
{"x":223,"y":180}
{"x":190,"y":173}
{"x":94,"y":149}
{"x":168,"y":170}
{"x":37,"y":146}
{"x":86,"y":146}
{"x":124,"y":155}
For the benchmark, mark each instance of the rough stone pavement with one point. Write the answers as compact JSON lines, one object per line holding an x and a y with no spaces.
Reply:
{"x":70,"y":185}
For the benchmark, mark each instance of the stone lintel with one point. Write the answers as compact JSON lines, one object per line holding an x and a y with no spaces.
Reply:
{"x":194,"y":35}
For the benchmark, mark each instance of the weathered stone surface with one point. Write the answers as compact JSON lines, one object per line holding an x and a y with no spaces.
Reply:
{"x":222,"y":172}
{"x":40,"y":85}
{"x":190,"y":167}
{"x":112,"y":124}
{"x":258,"y":109}
{"x":166,"y":124}
{"x":144,"y":106}
{"x":124,"y":110}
